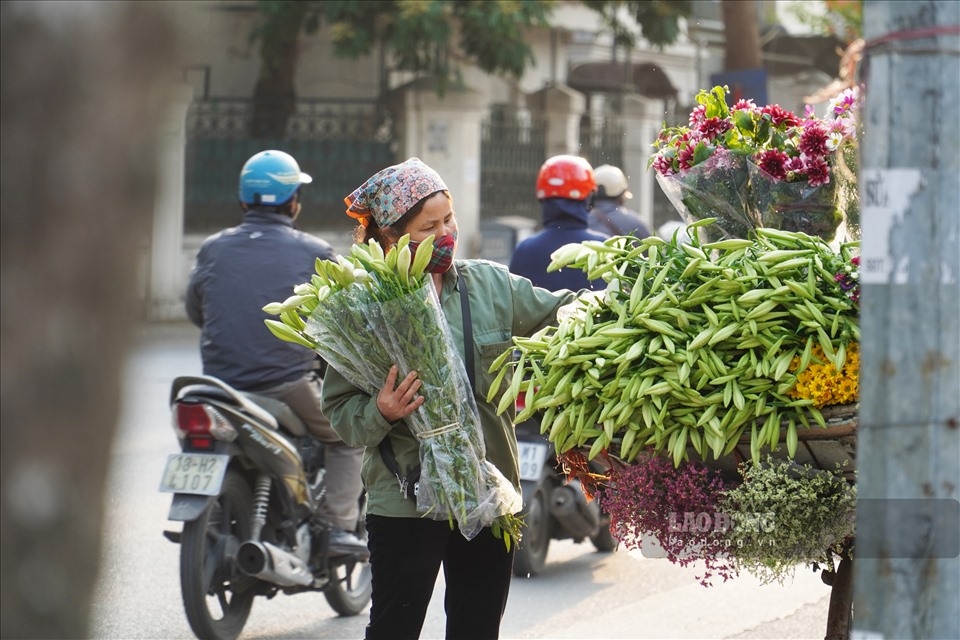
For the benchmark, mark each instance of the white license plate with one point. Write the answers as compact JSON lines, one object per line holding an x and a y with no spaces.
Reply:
{"x":200,"y":473}
{"x":532,"y":455}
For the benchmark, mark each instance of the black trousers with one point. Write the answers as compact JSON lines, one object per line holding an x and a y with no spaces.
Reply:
{"x":405,"y":557}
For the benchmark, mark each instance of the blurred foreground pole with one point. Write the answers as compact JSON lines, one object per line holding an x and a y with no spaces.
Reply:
{"x":82,"y":86}
{"x":906,"y":564}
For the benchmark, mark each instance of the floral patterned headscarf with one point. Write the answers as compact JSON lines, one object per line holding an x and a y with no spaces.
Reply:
{"x":390,"y":193}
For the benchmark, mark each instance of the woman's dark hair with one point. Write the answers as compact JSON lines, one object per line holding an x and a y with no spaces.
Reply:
{"x":362,"y":235}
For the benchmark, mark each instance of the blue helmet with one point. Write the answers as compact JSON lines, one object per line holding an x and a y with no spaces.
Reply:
{"x":270,"y":178}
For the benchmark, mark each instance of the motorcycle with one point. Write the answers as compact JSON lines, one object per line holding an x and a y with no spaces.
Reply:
{"x":553,"y":507}
{"x":247,"y":486}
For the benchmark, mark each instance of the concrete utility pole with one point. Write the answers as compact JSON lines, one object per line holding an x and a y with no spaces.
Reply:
{"x":83,"y":86}
{"x":906,"y":567}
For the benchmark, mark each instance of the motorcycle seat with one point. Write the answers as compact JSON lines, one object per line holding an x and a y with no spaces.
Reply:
{"x":281,"y":411}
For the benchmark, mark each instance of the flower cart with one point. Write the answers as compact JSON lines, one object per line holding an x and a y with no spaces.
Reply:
{"x":828,"y":448}
{"x":715,"y":381}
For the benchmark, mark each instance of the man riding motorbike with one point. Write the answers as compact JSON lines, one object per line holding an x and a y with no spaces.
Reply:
{"x":610,"y":213}
{"x":239,"y":270}
{"x":565,"y":188}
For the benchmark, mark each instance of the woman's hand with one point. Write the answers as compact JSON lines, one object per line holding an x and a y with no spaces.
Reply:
{"x":396,"y":401}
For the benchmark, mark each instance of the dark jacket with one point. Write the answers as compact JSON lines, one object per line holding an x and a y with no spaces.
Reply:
{"x":608,"y":216}
{"x":564,"y":221}
{"x":237,"y":272}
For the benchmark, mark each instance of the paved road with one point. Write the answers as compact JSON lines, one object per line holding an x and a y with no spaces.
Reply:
{"x":583,"y":594}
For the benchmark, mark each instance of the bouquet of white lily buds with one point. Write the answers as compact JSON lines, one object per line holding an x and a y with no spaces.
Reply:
{"x":690,"y":345}
{"x":369,"y":310}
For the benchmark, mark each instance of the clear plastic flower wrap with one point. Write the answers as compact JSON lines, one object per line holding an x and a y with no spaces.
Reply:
{"x":715,"y":188}
{"x":794,"y":206}
{"x":362,"y":335}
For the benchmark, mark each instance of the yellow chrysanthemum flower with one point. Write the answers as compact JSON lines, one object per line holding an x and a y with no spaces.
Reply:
{"x":821,"y":383}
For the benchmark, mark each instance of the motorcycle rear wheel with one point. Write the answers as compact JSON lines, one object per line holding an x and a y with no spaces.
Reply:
{"x":208,"y":567}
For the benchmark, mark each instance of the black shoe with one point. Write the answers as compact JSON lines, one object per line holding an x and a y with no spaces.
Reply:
{"x":344,"y":543}
{"x":312,"y":454}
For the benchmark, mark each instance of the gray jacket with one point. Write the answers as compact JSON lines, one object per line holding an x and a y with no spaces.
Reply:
{"x":237,"y":272}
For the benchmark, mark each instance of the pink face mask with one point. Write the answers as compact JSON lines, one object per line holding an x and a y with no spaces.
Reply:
{"x":442,"y":258}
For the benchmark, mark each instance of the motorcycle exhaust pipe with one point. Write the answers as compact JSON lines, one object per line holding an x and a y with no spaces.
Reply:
{"x":569,"y":506}
{"x":268,"y":562}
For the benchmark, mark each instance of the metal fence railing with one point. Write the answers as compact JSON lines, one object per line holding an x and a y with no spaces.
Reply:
{"x":512,"y":150}
{"x":601,"y":141}
{"x":339,"y":143}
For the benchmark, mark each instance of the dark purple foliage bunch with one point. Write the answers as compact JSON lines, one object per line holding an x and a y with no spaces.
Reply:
{"x":679,"y":506}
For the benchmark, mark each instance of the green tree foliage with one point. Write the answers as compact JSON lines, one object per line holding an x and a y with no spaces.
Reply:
{"x":419,"y":33}
{"x":431,"y":37}
{"x":841,"y":18}
{"x":659,"y":20}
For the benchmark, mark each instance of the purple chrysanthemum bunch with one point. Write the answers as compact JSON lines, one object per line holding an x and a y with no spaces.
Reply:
{"x":785,"y":146}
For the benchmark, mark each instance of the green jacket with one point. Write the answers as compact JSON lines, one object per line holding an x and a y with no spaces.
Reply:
{"x":502,"y":305}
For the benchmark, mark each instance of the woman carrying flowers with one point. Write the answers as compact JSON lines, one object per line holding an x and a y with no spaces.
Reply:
{"x":408,"y":548}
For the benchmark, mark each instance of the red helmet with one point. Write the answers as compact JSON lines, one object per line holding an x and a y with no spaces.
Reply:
{"x":566,"y":176}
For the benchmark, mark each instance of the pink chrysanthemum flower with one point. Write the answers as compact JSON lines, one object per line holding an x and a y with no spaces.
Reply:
{"x":813,"y":139}
{"x":780,"y":116}
{"x":794,"y":168}
{"x":794,"y":163}
{"x":685,"y":155}
{"x":773,"y":162}
{"x":817,"y":170}
{"x":845,"y":102}
{"x":663,"y":165}
{"x":844,"y":125}
{"x":711,"y":128}
{"x":745,"y":105}
{"x":698,"y":115}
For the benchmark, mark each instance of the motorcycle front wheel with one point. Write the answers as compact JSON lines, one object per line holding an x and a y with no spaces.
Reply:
{"x":531,"y":557}
{"x":603,"y":540}
{"x":349,"y":593}
{"x":208,"y":568}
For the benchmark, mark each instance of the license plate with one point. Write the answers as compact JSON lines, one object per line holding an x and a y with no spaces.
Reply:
{"x":200,"y":473}
{"x":532,"y":455}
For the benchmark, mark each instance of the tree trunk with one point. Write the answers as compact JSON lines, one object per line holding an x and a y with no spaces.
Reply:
{"x":742,"y":34}
{"x":77,"y":182}
{"x":275,"y":96}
